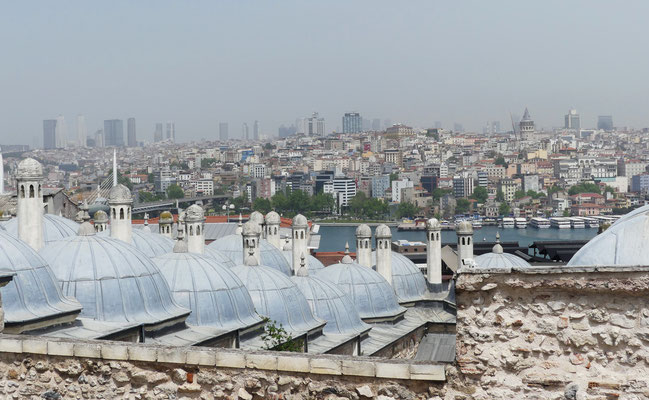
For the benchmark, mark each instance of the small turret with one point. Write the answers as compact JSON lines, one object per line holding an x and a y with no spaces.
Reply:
{"x":251,"y":234}
{"x":384,"y":252}
{"x":364,"y":245}
{"x":434,"y":251}
{"x":165,"y":224}
{"x":194,"y":226}
{"x":273,"y":222}
{"x":101,"y":221}
{"x":299,"y":245}
{"x":29,"y":181}
{"x":464,"y":233}
{"x":120,"y":201}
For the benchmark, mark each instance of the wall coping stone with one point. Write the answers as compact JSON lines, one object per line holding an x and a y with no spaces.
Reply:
{"x":540,"y":270}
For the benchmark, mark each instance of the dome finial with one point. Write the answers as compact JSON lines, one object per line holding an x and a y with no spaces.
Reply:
{"x":181,"y":245}
{"x":347,"y":259}
{"x":497,"y":237}
{"x":346,"y":248}
{"x":251,"y":260}
{"x":303,"y":271}
{"x":497,"y":249}
{"x":239,"y":226}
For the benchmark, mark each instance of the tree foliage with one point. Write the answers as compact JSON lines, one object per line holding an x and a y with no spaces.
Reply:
{"x":504,"y":209}
{"x":207,"y":162}
{"x":367,"y":207}
{"x":175,"y":192}
{"x":584,"y":187}
{"x":262,"y":205}
{"x":148,"y":197}
{"x":462,"y":206}
{"x":276,"y":338}
{"x":407,"y":210}
{"x":480,"y":194}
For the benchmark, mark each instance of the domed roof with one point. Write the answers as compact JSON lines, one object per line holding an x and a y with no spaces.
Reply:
{"x":272,"y":218}
{"x":383,"y":231}
{"x":499,"y":259}
{"x":112,"y":280}
{"x":100,"y":216}
{"x":434,"y":224}
{"x":275,"y":296}
{"x":54,"y":228}
{"x":150,"y":243}
{"x":219,"y":257}
{"x":29,"y":168}
{"x":34,"y":292}
{"x":300,"y":221}
{"x":166,"y":217}
{"x":363,"y":230}
{"x":231,"y":246}
{"x":623,"y":243}
{"x":256,"y":217}
{"x":464,"y":227}
{"x":119,"y":194}
{"x":330,"y":304}
{"x":408,"y":282}
{"x":251,"y":228}
{"x":216,"y":296}
{"x":314,"y":263}
{"x":371,"y":294}
{"x":194,"y":213}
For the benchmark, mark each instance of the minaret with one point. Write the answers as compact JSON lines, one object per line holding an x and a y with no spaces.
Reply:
{"x":364,"y":245}
{"x":299,"y":245}
{"x":120,"y":201}
{"x":384,"y":252}
{"x":251,"y":234}
{"x":464,"y":233}
{"x":2,"y":174}
{"x":101,"y":221}
{"x":194,"y":225}
{"x":272,"y":229}
{"x":165,"y":224}
{"x":114,"y":167}
{"x":29,"y":180}
{"x":434,"y":251}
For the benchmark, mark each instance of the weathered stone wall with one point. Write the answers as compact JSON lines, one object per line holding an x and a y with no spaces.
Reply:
{"x":552,"y":333}
{"x":45,"y":368}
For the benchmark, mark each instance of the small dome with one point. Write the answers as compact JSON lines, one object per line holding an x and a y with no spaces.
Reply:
{"x":194,"y":213}
{"x":257,"y":217}
{"x":464,"y":227}
{"x":300,"y":221}
{"x":251,"y":228}
{"x":166,"y":217}
{"x":314,"y":263}
{"x":150,"y":243}
{"x":383,"y":232}
{"x":433,"y":224}
{"x":29,"y":169}
{"x":216,"y":296}
{"x":275,"y":296}
{"x":408,"y":282}
{"x":112,"y":280}
{"x":34,"y":292}
{"x":371,"y":294}
{"x":330,"y":304}
{"x":100,"y":217}
{"x":363,"y":230}
{"x":231,"y":246}
{"x":272,"y":218}
{"x":54,"y":228}
{"x":119,"y":194}
{"x":499,"y":259}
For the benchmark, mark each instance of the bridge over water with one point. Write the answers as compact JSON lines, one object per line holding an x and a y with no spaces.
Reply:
{"x":173,"y":203}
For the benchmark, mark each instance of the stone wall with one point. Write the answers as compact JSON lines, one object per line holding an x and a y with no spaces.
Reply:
{"x":46,"y":368}
{"x":552,"y":333}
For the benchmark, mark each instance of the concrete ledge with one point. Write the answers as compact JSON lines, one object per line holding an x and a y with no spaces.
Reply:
{"x":261,"y":361}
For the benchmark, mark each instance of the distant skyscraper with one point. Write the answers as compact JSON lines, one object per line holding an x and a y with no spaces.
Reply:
{"x":376,"y":124}
{"x":49,"y":134}
{"x":171,"y":131}
{"x":255,"y":130}
{"x":366,"y":126}
{"x":157,"y":135}
{"x":315,"y":125}
{"x":352,"y":123}
{"x":245,"y":132}
{"x":130,"y":132}
{"x":99,"y":138}
{"x":82,"y":132}
{"x":61,"y":132}
{"x":113,"y":132}
{"x":223,"y":131}
{"x":572,"y":120}
{"x":387,"y":123}
{"x":605,"y":122}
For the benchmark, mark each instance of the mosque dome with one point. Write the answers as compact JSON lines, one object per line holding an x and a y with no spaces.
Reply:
{"x":408,"y":282}
{"x":314,"y":264}
{"x":363,"y":230}
{"x":499,"y":259}
{"x":150,"y":243}
{"x":113,"y":280}
{"x":216,"y":296}
{"x":371,"y":294}
{"x":119,"y":194}
{"x":275,"y":296}
{"x":272,"y":218}
{"x":29,"y":169}
{"x":623,"y":243}
{"x":231,"y":246}
{"x":54,"y":227}
{"x":34,"y":293}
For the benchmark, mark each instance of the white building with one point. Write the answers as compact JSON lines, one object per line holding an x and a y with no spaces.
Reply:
{"x":397,"y":185}
{"x":344,"y":189}
{"x":258,"y":171}
{"x":203,"y":186}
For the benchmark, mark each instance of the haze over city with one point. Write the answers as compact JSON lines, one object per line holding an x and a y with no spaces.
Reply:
{"x":417,"y":62}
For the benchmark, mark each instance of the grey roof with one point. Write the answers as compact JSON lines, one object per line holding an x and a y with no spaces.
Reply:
{"x":33,"y":294}
{"x":113,"y":280}
{"x":371,"y":294}
{"x":314,"y":264}
{"x":330,"y":304}
{"x":54,"y":227}
{"x":88,"y":329}
{"x":216,"y":296}
{"x":232,"y":247}
{"x":189,"y":336}
{"x":500,"y":260}
{"x":408,"y":282}
{"x":438,"y":347}
{"x":219,"y":257}
{"x":151,"y":244}
{"x":275,"y":296}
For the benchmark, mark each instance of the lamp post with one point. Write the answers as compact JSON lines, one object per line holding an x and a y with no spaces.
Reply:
{"x":227,"y":208}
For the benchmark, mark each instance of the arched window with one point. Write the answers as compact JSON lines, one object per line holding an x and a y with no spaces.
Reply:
{"x":121,"y":213}
{"x":301,"y":235}
{"x":114,"y":215}
{"x":296,"y":235}
{"x":40,"y":192}
{"x":128,"y":210}
{"x":276,"y":230}
{"x":31,"y":191}
{"x":468,"y":240}
{"x":437,"y":236}
{"x":22,"y":191}
{"x":198,"y":230}
{"x":191,"y":230}
{"x":463,"y":241}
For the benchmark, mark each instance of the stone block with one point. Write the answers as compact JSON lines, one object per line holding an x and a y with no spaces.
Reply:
{"x":201,"y":357}
{"x":427,"y":372}
{"x":392,"y":370}
{"x":261,"y":361}
{"x":56,"y":348}
{"x":8,"y":345}
{"x":35,"y":346}
{"x":230,"y":359}
{"x":115,"y":351}
{"x":293,"y":363}
{"x":142,"y":353}
{"x":173,"y":355}
{"x":358,"y":368}
{"x":87,"y":350}
{"x":326,"y":366}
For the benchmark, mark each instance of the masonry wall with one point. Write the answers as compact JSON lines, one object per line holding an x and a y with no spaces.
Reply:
{"x":552,"y":333}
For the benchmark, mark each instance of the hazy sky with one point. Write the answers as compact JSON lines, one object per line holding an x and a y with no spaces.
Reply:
{"x":416,"y":62}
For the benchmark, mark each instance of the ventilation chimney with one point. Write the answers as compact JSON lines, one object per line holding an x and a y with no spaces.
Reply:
{"x":272,"y":229}
{"x":299,"y":245}
{"x":364,"y":245}
{"x":194,"y":225}
{"x":384,"y":252}
{"x":29,"y":181}
{"x":251,"y":234}
{"x":165,"y":224}
{"x":464,"y":233}
{"x":434,"y":251}
{"x":119,"y":200}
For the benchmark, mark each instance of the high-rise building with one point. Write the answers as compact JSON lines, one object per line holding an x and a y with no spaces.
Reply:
{"x":130,"y":132}
{"x":605,"y":122}
{"x":255,"y":130}
{"x":352,"y":123}
{"x":99,"y":138}
{"x":315,"y":125}
{"x":157,"y":135}
{"x":114,"y":132}
{"x":245,"y":132}
{"x":49,"y":134}
{"x":223,"y":131}
{"x":171,"y":131}
{"x":82,"y":132}
{"x":61,"y":132}
{"x":572,"y":120}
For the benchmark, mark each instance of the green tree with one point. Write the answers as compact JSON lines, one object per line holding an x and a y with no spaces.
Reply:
{"x":207,"y":162}
{"x":609,"y":189}
{"x":462,"y":206}
{"x":534,"y":195}
{"x":394,"y":176}
{"x":500,"y":160}
{"x":504,"y":209}
{"x":439,"y":193}
{"x":262,"y":205}
{"x":147,"y":197}
{"x":276,"y":338}
{"x":584,"y":187}
{"x":322,"y":202}
{"x":175,"y":192}
{"x":500,"y":196}
{"x":240,"y":202}
{"x":566,"y":212}
{"x":480,"y":194}
{"x":150,"y":178}
{"x":407,"y":210}
{"x":519,"y":194}
{"x":298,"y":201}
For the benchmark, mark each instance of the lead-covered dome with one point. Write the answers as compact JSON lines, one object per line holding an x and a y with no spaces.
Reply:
{"x":300,"y":221}
{"x":33,"y":294}
{"x":113,"y":280}
{"x":219,"y":257}
{"x":54,"y":228}
{"x":216,"y":296}
{"x":499,"y":259}
{"x":231,"y":246}
{"x":150,"y":243}
{"x":408,"y":282}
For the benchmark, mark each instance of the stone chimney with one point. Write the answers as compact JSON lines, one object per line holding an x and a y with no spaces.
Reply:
{"x":364,"y":245}
{"x":299,"y":227}
{"x":251,"y":235}
{"x":272,"y":229}
{"x":384,"y":252}
{"x":165,"y":224}
{"x":29,"y":186}
{"x":120,"y":201}
{"x":101,"y":221}
{"x":434,"y":251}
{"x":194,"y":226}
{"x":464,"y":231}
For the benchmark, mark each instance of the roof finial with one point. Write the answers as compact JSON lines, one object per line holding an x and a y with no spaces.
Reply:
{"x":303,"y":271}
{"x":251,"y":260}
{"x":239,"y":229}
{"x":346,"y":248}
{"x":181,"y":245}
{"x":497,"y":237}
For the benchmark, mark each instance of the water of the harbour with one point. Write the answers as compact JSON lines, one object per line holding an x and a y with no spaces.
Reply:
{"x":333,"y":238}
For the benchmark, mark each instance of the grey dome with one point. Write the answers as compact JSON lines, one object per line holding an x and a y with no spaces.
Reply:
{"x":300,"y":221}
{"x":100,"y":217}
{"x":216,"y":296}
{"x":54,"y":228}
{"x":330,"y":304}
{"x":256,"y":217}
{"x":464,"y":227}
{"x":231,"y":246}
{"x":383,"y":231}
{"x":166,"y":217}
{"x":433,"y":224}
{"x":219,"y":257}
{"x":275,"y":296}
{"x":119,"y":194}
{"x":314,"y":263}
{"x":408,"y":282}
{"x":371,"y":294}
{"x":623,"y":243}
{"x":272,"y":218}
{"x":29,"y":169}
{"x":34,"y":292}
{"x":500,"y":260}
{"x":363,"y":230}
{"x":112,"y":280}
{"x":194,"y":213}
{"x":150,"y":243}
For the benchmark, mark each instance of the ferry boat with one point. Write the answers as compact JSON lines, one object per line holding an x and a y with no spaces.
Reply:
{"x":520,"y":223}
{"x":577,"y":223}
{"x":540,"y":223}
{"x":477,"y":224}
{"x":508,"y":222}
{"x":560,"y":222}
